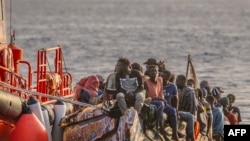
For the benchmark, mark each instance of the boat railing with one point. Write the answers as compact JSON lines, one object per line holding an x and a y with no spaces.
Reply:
{"x":43,"y":68}
{"x":40,"y":83}
{"x":13,"y":79}
{"x":67,"y":99}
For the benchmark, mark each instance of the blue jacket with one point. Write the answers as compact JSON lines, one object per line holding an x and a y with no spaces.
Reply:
{"x":218,"y":121}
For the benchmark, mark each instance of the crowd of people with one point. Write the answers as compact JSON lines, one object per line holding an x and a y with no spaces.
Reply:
{"x":176,"y":96}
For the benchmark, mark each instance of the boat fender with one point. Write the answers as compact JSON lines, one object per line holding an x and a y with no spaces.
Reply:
{"x":35,"y":107}
{"x":47,"y":123}
{"x":51,"y":114}
{"x":60,"y":111}
{"x":29,"y":128}
{"x":11,"y":106}
{"x":69,"y":108}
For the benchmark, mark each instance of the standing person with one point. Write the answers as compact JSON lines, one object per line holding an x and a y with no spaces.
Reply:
{"x":129,"y":85}
{"x":232,"y":108}
{"x":188,"y":101}
{"x":205,"y":87}
{"x":218,"y":119}
{"x":205,"y":117}
{"x":169,"y":88}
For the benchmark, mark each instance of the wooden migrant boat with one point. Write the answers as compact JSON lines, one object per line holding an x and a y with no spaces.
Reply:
{"x":39,"y":106}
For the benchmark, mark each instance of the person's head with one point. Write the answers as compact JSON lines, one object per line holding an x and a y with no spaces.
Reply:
{"x":224,"y":101}
{"x":217,"y":92}
{"x":190,"y":82}
{"x":123,"y":65}
{"x":153,"y":71}
{"x":206,"y":85}
{"x":172,"y":78}
{"x":150,"y":62}
{"x":181,"y":81}
{"x":232,"y":98}
{"x":137,"y":66}
{"x":166,"y":75}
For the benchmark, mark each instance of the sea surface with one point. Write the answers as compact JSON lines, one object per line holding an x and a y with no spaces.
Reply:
{"x":95,"y":33}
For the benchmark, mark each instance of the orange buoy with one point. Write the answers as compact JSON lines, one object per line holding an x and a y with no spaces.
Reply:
{"x":29,"y":128}
{"x":5,"y":130}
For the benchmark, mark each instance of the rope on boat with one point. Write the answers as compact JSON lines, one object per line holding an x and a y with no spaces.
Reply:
{"x":46,"y":95}
{"x":64,"y":62}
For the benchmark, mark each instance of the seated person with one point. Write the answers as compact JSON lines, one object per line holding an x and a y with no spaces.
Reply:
{"x":169,"y":88}
{"x":129,"y":85}
{"x":154,"y":90}
{"x":86,"y":90}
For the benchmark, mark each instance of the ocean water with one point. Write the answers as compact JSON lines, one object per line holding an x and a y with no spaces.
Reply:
{"x":95,"y":33}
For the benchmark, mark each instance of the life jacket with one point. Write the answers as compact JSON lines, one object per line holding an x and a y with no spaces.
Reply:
{"x":196,"y":130}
